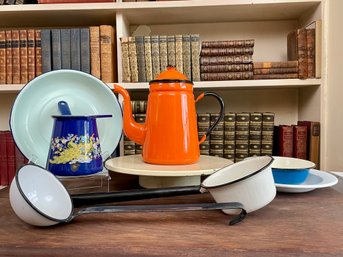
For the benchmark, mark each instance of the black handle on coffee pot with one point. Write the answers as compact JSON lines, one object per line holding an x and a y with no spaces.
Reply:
{"x":221,"y":113}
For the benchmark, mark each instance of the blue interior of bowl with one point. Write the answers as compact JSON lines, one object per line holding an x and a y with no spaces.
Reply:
{"x":290,"y":176}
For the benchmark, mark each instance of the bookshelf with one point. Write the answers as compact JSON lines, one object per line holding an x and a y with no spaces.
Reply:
{"x":267,"y":21}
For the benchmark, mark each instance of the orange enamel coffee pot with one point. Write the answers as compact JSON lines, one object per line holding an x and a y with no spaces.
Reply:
{"x":169,"y":134}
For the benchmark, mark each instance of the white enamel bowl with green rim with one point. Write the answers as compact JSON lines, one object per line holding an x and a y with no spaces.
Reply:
{"x":31,"y":122}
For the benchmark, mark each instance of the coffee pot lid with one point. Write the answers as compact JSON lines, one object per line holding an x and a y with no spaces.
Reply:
{"x":171,"y":75}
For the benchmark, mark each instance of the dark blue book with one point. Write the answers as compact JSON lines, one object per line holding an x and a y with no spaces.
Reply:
{"x":46,"y":50}
{"x":65,"y":47}
{"x":85,"y":50}
{"x":56,"y":49}
{"x":75,"y":48}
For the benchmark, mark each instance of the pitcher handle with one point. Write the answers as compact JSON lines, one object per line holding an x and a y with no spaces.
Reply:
{"x":221,"y":113}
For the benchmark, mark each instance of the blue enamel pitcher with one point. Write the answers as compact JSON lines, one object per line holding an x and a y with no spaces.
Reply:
{"x":75,"y":145}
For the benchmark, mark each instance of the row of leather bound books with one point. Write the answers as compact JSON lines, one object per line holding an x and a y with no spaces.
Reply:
{"x":238,"y":135}
{"x":299,"y":140}
{"x":27,"y":53}
{"x":145,"y":57}
{"x":227,"y":60}
{"x":11,"y":158}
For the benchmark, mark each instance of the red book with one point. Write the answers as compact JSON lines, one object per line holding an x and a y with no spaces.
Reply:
{"x":3,"y":159}
{"x":313,"y":140}
{"x":10,"y":149}
{"x":285,"y":141}
{"x":20,"y":159}
{"x":300,"y":141}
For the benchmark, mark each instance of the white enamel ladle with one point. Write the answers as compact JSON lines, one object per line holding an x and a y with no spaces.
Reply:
{"x":40,"y":199}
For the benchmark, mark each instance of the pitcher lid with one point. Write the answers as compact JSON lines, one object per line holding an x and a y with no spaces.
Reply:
{"x":171,"y":75}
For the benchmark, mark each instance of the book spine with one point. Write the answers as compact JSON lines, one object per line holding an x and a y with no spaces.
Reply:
{"x":56,"y":49}
{"x":267,"y":133}
{"x":300,"y":141}
{"x":226,"y":51}
{"x":203,"y":120}
{"x":139,"y":118}
{"x":23,"y":56}
{"x":229,"y":136}
{"x":178,"y":53}
{"x":65,"y":49}
{"x":85,"y":50}
{"x":38,"y":51}
{"x":3,"y":159}
{"x":31,"y":54}
{"x":227,"y":76}
{"x":292,"y":47}
{"x":186,"y":56}
{"x":195,"y":57}
{"x":217,"y":137}
{"x":94,"y":32}
{"x":133,"y":59}
{"x":107,"y":54}
{"x":15,"y":57}
{"x":286,"y":141}
{"x":233,"y":59}
{"x":10,"y":148}
{"x":314,"y":143}
{"x":284,"y":64}
{"x":228,"y":43}
{"x":140,"y":58}
{"x":20,"y":159}
{"x":275,"y":71}
{"x":75,"y":49}
{"x":124,"y":41}
{"x":313,"y":140}
{"x":46,"y":50}
{"x":155,"y":55}
{"x":277,"y":76}
{"x":9,"y":67}
{"x":163,"y":52}
{"x":2,"y":57}
{"x":302,"y":53}
{"x":148,"y":57}
{"x":310,"y":41}
{"x":255,"y":134}
{"x":171,"y":50}
{"x":242,"y":136}
{"x":138,"y":106}
{"x":226,"y":68}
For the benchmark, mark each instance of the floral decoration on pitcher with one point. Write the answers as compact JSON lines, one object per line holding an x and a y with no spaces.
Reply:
{"x":75,"y":149}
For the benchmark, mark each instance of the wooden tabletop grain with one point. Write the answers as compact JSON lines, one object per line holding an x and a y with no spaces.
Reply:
{"x":307,"y":224}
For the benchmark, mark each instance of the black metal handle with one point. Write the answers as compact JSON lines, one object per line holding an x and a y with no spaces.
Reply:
{"x":221,"y":113}
{"x":131,"y":195}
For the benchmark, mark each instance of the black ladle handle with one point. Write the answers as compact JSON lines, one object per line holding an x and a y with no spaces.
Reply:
{"x":130,"y":195}
{"x":166,"y":208}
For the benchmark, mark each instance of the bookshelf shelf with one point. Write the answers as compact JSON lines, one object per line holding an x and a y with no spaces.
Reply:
{"x":240,"y":84}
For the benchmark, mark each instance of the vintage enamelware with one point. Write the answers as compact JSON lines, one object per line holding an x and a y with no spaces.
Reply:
{"x":249,"y":182}
{"x":31,"y":123}
{"x":316,"y":179}
{"x":40,"y":199}
{"x":289,"y":170}
{"x":169,"y":134}
{"x":75,"y":145}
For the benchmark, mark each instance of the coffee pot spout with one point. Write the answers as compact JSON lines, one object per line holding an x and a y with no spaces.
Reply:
{"x":133,"y":130}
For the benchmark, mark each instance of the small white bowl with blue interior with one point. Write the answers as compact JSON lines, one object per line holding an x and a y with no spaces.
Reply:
{"x":289,"y":170}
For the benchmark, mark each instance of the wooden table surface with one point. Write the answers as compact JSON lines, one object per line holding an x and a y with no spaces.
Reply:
{"x":308,"y":224}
